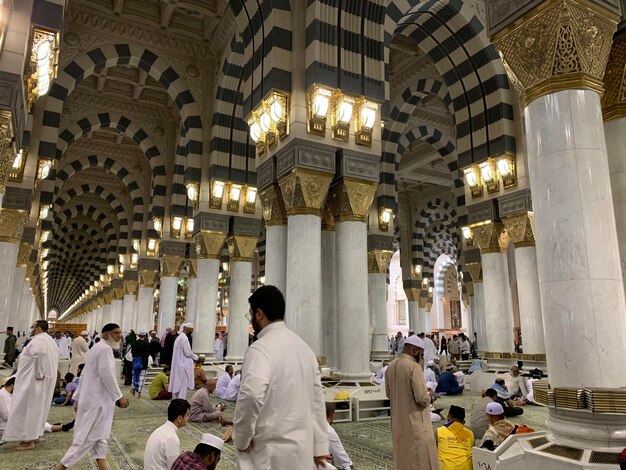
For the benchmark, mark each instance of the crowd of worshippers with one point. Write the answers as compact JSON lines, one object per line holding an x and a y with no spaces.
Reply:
{"x":456,"y":347}
{"x":279,"y":382}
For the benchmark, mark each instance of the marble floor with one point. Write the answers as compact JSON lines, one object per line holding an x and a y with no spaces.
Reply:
{"x":368,"y":443}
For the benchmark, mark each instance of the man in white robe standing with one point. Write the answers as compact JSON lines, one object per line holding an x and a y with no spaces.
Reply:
{"x":34,"y":387}
{"x":63,"y":344}
{"x":218,"y":348}
{"x":183,"y":359}
{"x":94,"y":402}
{"x":280,"y":418}
{"x":79,"y":351}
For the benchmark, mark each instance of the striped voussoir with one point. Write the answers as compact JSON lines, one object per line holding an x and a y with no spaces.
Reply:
{"x":125,"y":55}
{"x":260,"y":246}
{"x":132,"y":130}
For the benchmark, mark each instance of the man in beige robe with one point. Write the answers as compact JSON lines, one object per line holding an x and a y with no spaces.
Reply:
{"x":79,"y":351}
{"x":411,"y":431}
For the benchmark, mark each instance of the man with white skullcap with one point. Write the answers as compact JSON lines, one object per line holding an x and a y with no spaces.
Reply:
{"x":204,"y":457}
{"x":181,"y":376}
{"x":499,"y":428}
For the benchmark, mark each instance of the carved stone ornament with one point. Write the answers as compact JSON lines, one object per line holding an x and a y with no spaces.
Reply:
{"x":147,"y":277}
{"x":209,"y":244}
{"x":193,"y":267}
{"x":273,"y":206}
{"x":7,"y":148}
{"x":12,"y":223}
{"x":328,"y":219}
{"x":476,"y":271}
{"x":130,"y":287}
{"x":170,"y":265}
{"x":559,"y":45}
{"x":521,"y":229}
{"x":614,"y":98}
{"x":304,"y":191}
{"x":469,"y":287}
{"x":23,"y":253}
{"x":241,"y":247}
{"x":491,"y":237}
{"x":351,"y":199}
{"x":411,"y":294}
{"x":422,"y":301}
{"x":378,"y":261}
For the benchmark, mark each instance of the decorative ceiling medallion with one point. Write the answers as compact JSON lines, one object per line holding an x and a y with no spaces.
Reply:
{"x":192,"y":71}
{"x":71,"y":38}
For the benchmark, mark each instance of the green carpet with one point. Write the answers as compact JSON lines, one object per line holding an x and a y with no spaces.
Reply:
{"x":368,"y":443}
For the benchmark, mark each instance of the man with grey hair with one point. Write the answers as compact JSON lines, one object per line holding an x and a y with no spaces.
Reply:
{"x":181,"y":378}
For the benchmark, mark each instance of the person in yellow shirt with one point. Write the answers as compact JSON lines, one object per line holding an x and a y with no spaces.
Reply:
{"x":455,"y":442}
{"x":199,"y":375}
{"x":158,"y":388}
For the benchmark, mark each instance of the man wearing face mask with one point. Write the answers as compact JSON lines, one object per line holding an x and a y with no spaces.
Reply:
{"x":411,"y":432}
{"x":34,"y":387}
{"x":94,"y":402}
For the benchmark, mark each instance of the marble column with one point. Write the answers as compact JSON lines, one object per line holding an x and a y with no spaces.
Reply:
{"x":377,"y":265}
{"x":329,"y":290}
{"x":106,"y":309}
{"x":208,"y":249}
{"x":493,"y":241}
{"x":240,"y":249}
{"x":414,"y":316}
{"x":423,"y":321}
{"x":351,"y":200}
{"x":128,"y":309}
{"x":521,"y":230}
{"x":15,"y":309}
{"x":11,"y":227}
{"x":192,"y":292}
{"x":480,"y":326}
{"x":276,"y":235}
{"x":578,"y":257}
{"x":304,"y":192}
{"x":145,"y":299}
{"x":170,"y":271}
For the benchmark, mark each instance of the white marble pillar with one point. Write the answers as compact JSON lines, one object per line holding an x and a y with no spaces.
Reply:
{"x":238,"y":307}
{"x":378,"y":262}
{"x":423,"y":325}
{"x":414,"y":320}
{"x":145,"y":308}
{"x":578,"y":255}
{"x":304,"y":280}
{"x":116,"y":313}
{"x":329,"y":298}
{"x":427,"y":322}
{"x":167,"y":303}
{"x":15,"y":307}
{"x":276,"y":256}
{"x":190,"y":313}
{"x":106,"y":316}
{"x":352,"y":300}
{"x":128,"y":312}
{"x":497,"y":315}
{"x":615,"y":131}
{"x":206,"y":306}
{"x":8,"y":258}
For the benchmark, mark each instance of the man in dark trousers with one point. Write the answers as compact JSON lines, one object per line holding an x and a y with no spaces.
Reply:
{"x":10,"y":351}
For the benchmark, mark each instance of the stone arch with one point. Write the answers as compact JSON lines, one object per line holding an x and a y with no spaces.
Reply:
{"x":95,"y":214}
{"x":437,"y":211}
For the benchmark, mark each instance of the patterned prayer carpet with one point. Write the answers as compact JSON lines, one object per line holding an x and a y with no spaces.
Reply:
{"x":368,"y":442}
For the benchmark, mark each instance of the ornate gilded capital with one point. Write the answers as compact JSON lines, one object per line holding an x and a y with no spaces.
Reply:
{"x":241,"y":247}
{"x":351,"y":198}
{"x":108,"y":296}
{"x":491,"y":237}
{"x":209,"y":244}
{"x":23,"y":253}
{"x":469,"y":287}
{"x":274,"y":212}
{"x":147,"y":277}
{"x":378,"y":261}
{"x":422,"y":301}
{"x":476,"y":271}
{"x":7,"y":148}
{"x":118,"y":293}
{"x":170,"y":265}
{"x":328,"y":220}
{"x":12,"y":223}
{"x":130,"y":287}
{"x":521,"y":229}
{"x":304,"y":191}
{"x":193,"y":267}
{"x":558,"y":45}
{"x":614,"y":98}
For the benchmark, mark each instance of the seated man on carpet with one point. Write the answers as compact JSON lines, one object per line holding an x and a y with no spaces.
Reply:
{"x":455,"y":442}
{"x":65,"y":399}
{"x":448,"y":384}
{"x":205,"y":456}
{"x":479,"y":421}
{"x":163,"y":446}
{"x":199,"y":375}
{"x":511,"y":405}
{"x":232,"y":391}
{"x":202,"y":410}
{"x":223,"y":381}
{"x":515,"y":383}
{"x":159,"y":385}
{"x":499,"y":428}
{"x":337,"y":451}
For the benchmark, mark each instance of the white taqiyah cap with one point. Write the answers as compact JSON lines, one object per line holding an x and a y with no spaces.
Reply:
{"x":430,"y":363}
{"x":143,"y":332}
{"x":213,"y":441}
{"x":188,"y":325}
{"x":494,"y":409}
{"x":84,"y":333}
{"x":415,"y":341}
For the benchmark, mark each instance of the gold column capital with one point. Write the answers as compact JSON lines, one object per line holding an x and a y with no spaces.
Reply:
{"x":558,"y":45}
{"x":147,"y":277}
{"x":7,"y":148}
{"x":351,"y":198}
{"x":491,"y":237}
{"x":23,"y":253}
{"x":130,"y":287}
{"x":241,"y":247}
{"x":274,"y":212}
{"x":209,"y":244}
{"x":521,"y":229}
{"x":378,"y":261}
{"x":12,"y":223}
{"x":193,"y":267}
{"x":469,"y":287}
{"x":304,"y":191}
{"x":108,"y":296}
{"x":422,"y":301}
{"x":170,"y":265}
{"x":328,"y":219}
{"x":476,"y":271}
{"x":614,"y":98}
{"x":118,"y":293}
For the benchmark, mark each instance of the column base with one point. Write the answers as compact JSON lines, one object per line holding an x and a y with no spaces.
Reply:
{"x":233,"y":359}
{"x":355,"y":378}
{"x":379,"y":356}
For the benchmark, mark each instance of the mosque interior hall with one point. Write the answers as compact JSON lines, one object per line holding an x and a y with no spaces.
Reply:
{"x":393,"y":167}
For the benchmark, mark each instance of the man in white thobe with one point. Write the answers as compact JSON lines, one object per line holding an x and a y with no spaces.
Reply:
{"x":63,"y":344}
{"x":34,"y":387}
{"x":430,"y":350}
{"x":223,"y":381}
{"x":94,"y":401}
{"x":218,"y":348}
{"x":79,"y":351}
{"x":183,"y":359}
{"x":163,"y":446}
{"x":280,"y":418}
